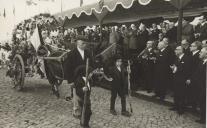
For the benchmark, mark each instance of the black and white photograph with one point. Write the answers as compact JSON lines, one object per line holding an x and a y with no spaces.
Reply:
{"x":103,"y":63}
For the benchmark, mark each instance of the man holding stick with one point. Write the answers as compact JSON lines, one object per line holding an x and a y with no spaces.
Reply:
{"x":119,"y":86}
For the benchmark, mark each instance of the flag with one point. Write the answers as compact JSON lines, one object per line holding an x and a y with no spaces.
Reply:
{"x":35,"y":39}
{"x":81,"y":3}
{"x":4,"y":13}
{"x":108,"y":52}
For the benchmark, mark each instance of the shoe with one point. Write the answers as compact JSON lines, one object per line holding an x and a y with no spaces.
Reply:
{"x":172,"y":109}
{"x":113,"y":112}
{"x":126,"y":113}
{"x":85,"y":126}
{"x":201,"y":121}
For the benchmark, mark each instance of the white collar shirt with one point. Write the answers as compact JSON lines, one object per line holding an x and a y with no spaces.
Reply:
{"x":181,"y":56}
{"x":195,"y":52}
{"x":81,"y":52}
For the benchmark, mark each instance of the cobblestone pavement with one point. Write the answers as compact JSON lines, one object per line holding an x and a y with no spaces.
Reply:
{"x":36,"y":107}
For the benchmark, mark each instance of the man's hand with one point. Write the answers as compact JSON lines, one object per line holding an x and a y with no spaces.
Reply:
{"x":110,"y":79}
{"x":174,"y":68}
{"x":85,"y":89}
{"x":188,"y":82}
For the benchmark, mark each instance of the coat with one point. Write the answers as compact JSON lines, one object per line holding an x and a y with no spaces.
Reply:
{"x":194,"y":62}
{"x":182,"y":74}
{"x":198,"y":79}
{"x":162,"y":71}
{"x":202,"y":30}
{"x":119,"y":78}
{"x":79,"y":84}
{"x":74,"y":60}
{"x":143,"y":37}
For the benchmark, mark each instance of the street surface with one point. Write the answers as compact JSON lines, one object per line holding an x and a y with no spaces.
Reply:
{"x":36,"y":107}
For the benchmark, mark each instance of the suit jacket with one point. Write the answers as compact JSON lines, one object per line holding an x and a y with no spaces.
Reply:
{"x":119,"y":78}
{"x":79,"y":84}
{"x":74,"y":60}
{"x":172,"y":35}
{"x":183,"y":71}
{"x":198,"y":79}
{"x":202,"y":30}
{"x":142,"y":40}
{"x":148,"y":62}
{"x":162,"y":69}
{"x":194,"y":62}
{"x":187,"y":52}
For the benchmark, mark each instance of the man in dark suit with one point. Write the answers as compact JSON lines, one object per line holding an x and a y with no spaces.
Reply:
{"x":119,"y":86}
{"x":195,"y":49}
{"x":162,"y":69}
{"x":181,"y":70}
{"x":199,"y":80}
{"x":143,"y":36}
{"x":186,"y":47}
{"x":148,"y":61}
{"x":81,"y":89}
{"x":187,"y":31}
{"x":201,"y":28}
{"x":76,"y":58}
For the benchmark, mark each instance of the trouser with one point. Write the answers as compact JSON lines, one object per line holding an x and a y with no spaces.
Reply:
{"x":121,"y":94}
{"x":179,"y":102}
{"x":160,"y":89}
{"x":203,"y":108}
{"x":148,"y":80}
{"x":88,"y":112}
{"x":179,"y":97}
{"x":71,"y":94}
{"x":76,"y":106}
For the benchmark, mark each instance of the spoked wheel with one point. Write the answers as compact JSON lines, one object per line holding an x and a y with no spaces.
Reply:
{"x":18,"y":72}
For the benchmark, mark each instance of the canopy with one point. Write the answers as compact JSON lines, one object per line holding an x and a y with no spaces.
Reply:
{"x":119,"y":11}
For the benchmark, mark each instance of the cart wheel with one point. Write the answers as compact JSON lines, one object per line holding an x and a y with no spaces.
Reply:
{"x":19,"y":72}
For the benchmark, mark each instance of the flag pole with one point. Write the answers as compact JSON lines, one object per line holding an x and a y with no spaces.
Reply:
{"x":61,"y":6}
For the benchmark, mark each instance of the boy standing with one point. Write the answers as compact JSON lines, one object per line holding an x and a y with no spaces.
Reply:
{"x":119,"y":86}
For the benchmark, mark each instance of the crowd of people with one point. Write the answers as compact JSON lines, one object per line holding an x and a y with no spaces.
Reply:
{"x":160,"y":63}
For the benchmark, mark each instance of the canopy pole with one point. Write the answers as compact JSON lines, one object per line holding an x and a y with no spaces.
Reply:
{"x":179,"y":29}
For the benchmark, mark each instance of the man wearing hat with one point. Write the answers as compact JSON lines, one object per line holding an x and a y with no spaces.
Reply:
{"x":76,"y":58}
{"x":80,"y":90}
{"x":203,"y":27}
{"x":118,"y":85}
